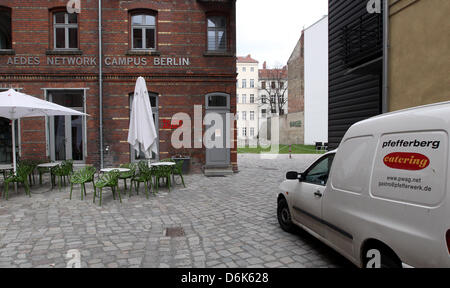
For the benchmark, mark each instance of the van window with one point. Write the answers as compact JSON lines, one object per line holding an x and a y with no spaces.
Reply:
{"x":411,"y":167}
{"x":318,"y":174}
{"x":353,"y":163}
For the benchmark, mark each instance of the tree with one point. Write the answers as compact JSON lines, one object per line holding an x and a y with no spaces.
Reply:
{"x":274,"y":82}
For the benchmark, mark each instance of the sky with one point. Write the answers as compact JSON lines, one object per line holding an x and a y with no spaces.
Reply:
{"x":269,"y":30}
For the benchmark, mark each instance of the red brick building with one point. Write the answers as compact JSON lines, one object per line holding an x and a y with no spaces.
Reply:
{"x":184,"y":49}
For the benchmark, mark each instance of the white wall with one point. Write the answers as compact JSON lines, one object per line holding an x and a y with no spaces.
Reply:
{"x":316,"y":82}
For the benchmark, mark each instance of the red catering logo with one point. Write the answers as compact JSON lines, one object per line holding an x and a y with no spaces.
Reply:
{"x":406,"y":161}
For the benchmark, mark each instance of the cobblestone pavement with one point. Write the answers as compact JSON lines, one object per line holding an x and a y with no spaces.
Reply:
{"x":228,"y":222}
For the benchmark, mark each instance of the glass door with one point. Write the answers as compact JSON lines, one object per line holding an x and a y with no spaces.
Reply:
{"x":67,"y":132}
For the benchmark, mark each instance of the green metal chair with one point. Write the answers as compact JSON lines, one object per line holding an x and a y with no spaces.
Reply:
{"x":31,"y":167}
{"x":82,"y":177}
{"x":42,"y":171}
{"x":127,"y":175}
{"x":178,"y":170}
{"x":143,"y":176}
{"x":110,"y":179}
{"x":20,"y":177}
{"x":162,"y":172}
{"x":63,"y":171}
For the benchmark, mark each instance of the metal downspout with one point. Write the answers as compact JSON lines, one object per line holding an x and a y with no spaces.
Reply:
{"x":100,"y":80}
{"x":385,"y":92}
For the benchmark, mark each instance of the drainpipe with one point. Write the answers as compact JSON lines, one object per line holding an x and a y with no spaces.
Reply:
{"x":100,"y":80}
{"x":385,"y":92}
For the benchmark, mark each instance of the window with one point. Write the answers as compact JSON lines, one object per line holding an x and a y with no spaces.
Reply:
{"x":263,"y":113}
{"x":237,"y":115}
{"x":354,"y":171}
{"x":252,"y":69}
{"x":244,"y":69}
{"x":5,"y":29}
{"x":252,"y":115}
{"x":273,"y":85}
{"x":244,"y":115}
{"x":143,"y":31}
{"x":252,"y":83}
{"x":252,"y":98}
{"x":244,"y":99}
{"x":318,"y":174}
{"x":252,"y":132}
{"x":244,"y":83}
{"x":281,"y":85}
{"x":263,"y":85}
{"x":244,"y":131}
{"x":65,"y":30}
{"x":217,"y":33}
{"x":272,"y":99}
{"x":263,"y":99}
{"x":217,"y":101}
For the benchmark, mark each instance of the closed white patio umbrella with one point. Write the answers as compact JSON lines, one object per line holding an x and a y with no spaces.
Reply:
{"x":142,"y":132}
{"x":15,"y":105}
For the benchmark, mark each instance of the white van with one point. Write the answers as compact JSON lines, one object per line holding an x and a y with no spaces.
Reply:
{"x":382,"y":199}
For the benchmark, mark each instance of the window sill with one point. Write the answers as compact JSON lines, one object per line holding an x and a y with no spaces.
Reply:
{"x":143,"y":53}
{"x":218,"y":54}
{"x":7,"y":52}
{"x":64,"y":52}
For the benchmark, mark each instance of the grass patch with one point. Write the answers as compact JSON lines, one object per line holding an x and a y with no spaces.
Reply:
{"x":283,"y":149}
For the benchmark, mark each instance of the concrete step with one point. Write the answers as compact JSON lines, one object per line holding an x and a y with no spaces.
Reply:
{"x":218,"y":171}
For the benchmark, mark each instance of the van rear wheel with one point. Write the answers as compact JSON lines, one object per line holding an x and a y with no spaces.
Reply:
{"x":388,"y":259}
{"x":284,"y":216}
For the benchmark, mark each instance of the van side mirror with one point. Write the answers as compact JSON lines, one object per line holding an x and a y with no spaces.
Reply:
{"x":294,"y":176}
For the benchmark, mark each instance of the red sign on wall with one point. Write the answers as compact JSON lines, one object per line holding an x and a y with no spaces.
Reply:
{"x":167,"y":124}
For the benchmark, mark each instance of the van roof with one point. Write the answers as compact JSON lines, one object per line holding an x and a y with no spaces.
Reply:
{"x":413,"y":108}
{"x":428,"y":117}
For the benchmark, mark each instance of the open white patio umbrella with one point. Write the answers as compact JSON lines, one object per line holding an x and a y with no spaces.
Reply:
{"x":142,"y":133}
{"x":15,"y":105}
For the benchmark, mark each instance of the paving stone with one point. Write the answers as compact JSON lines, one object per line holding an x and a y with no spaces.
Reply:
{"x":228,"y":222}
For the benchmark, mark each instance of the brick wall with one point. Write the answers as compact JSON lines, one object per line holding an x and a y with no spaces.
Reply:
{"x":181,"y":32}
{"x":296,"y":75}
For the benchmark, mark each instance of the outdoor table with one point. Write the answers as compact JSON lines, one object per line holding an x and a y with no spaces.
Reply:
{"x":50,"y":166}
{"x":106,"y":170}
{"x":4,"y":168}
{"x":163,"y":164}
{"x":156,"y":164}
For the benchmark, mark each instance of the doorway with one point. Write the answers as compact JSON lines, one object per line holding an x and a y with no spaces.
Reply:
{"x":154,"y":102}
{"x":67,"y":133}
{"x":218,"y":103}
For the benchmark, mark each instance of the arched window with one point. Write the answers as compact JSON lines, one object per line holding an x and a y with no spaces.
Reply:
{"x":5,"y":28}
{"x":143,"y":31}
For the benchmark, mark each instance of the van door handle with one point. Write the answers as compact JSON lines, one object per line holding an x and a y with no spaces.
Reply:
{"x":317,"y":194}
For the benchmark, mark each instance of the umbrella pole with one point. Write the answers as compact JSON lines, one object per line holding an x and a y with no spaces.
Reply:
{"x":14,"y":151}
{"x":14,"y":145}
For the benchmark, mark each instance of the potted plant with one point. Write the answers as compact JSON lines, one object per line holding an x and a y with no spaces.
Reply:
{"x":186,"y":162}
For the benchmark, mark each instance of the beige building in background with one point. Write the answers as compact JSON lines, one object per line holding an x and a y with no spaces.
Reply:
{"x":247,"y":111}
{"x":419,"y":55}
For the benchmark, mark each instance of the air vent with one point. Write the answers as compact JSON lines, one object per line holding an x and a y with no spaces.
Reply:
{"x":175,"y":232}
